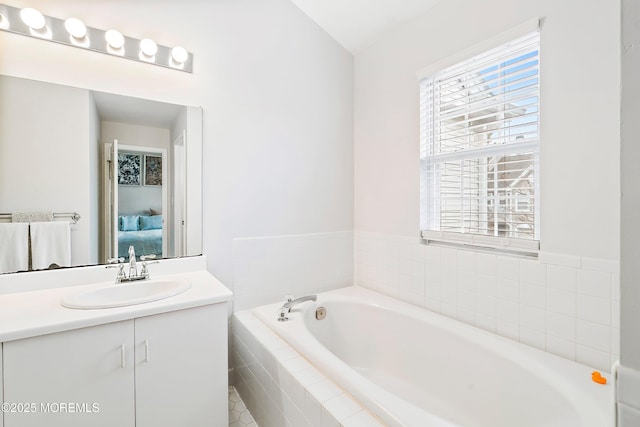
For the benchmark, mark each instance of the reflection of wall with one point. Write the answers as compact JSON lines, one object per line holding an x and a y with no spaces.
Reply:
{"x":137,"y":199}
{"x":45,"y":144}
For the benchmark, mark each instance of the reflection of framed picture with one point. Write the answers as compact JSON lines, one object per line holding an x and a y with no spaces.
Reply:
{"x":129,"y":166}
{"x":152,"y":170}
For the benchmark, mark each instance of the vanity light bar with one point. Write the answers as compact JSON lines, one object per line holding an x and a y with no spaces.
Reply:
{"x":29,"y":22}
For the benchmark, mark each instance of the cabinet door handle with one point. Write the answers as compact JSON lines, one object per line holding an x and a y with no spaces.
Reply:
{"x":146,"y":351}
{"x":122,"y":356}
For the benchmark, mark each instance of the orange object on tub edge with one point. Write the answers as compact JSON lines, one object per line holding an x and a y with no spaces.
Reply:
{"x":598,"y":378}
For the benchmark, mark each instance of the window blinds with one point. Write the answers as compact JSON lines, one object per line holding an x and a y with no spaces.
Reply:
{"x":479,"y":148}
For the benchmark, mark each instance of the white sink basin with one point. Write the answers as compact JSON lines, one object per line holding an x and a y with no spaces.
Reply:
{"x":124,"y":294}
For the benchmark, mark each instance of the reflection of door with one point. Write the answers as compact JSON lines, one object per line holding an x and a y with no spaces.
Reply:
{"x":109,"y":229}
{"x":179,"y":200}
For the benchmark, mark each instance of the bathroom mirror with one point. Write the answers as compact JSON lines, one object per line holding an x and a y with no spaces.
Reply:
{"x":130,"y":169}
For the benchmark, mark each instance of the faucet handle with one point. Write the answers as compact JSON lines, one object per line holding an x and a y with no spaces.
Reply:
{"x":146,"y":257}
{"x":115,"y":260}
{"x":288,"y":298}
{"x":145,"y":271}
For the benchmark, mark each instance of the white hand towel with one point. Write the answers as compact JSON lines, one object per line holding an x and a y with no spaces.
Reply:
{"x":50,"y":244}
{"x":14,"y":247}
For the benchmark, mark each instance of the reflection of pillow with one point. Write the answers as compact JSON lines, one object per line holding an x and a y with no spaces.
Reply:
{"x":155,"y":212}
{"x":151,"y":222}
{"x":129,"y":223}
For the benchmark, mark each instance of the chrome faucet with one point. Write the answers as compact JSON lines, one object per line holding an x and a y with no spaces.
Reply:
{"x":289,"y":303}
{"x":133,"y":267}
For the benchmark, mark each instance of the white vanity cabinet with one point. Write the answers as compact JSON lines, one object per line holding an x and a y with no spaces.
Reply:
{"x":167,"y":369}
{"x":181,"y":368}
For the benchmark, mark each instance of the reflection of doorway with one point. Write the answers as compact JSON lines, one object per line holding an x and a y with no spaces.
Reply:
{"x":135,"y":200}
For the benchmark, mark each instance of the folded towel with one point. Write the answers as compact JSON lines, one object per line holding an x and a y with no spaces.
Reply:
{"x":31,"y":216}
{"x":14,"y":247}
{"x":50,"y":243}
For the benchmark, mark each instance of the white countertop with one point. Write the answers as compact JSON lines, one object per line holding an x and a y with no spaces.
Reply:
{"x":28,"y":314}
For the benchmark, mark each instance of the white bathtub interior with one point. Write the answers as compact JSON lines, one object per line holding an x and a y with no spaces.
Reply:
{"x":416,"y":368}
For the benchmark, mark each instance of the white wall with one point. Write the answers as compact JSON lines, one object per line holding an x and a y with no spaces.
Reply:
{"x":629,"y":375}
{"x":566,"y":302}
{"x":45,"y":132}
{"x":579,"y":116}
{"x":277,"y":96}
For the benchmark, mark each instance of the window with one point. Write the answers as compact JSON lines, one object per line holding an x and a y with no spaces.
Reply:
{"x":479,"y":149}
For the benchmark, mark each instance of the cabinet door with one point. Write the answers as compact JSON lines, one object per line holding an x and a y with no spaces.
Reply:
{"x":77,"y":378}
{"x":181,"y":368}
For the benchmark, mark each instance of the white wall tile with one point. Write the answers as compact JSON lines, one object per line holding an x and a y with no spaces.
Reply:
{"x":487,"y":285}
{"x":533,"y":318}
{"x":561,"y":347}
{"x":561,"y":326}
{"x":594,"y":335}
{"x":486,"y":264}
{"x":432,"y":255}
{"x":487,"y":305}
{"x":560,"y":259}
{"x":417,"y":269}
{"x":508,"y":290}
{"x":592,"y":357}
{"x":449,"y":257}
{"x":615,"y":341}
{"x":508,"y":311}
{"x":594,"y":283}
{"x":466,"y":261}
{"x":562,"y":278}
{"x":433,"y":273}
{"x":593,"y":309}
{"x":533,"y":272}
{"x":561,"y":302}
{"x":537,"y":302}
{"x":598,"y":264}
{"x":615,"y":286}
{"x":341,"y":407}
{"x":466,"y":300}
{"x":533,"y":295}
{"x":508,"y":268}
{"x":465,"y":280}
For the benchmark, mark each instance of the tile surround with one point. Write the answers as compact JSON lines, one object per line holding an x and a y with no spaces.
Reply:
{"x":280,"y":388}
{"x":267,"y":268}
{"x":563,"y":304}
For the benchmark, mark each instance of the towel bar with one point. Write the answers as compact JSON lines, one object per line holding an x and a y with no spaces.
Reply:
{"x":74,"y":216}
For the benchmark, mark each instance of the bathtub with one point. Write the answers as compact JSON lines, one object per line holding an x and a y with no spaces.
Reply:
{"x":414,"y":368}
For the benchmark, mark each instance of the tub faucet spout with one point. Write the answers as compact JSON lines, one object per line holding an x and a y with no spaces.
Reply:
{"x":289,"y":303}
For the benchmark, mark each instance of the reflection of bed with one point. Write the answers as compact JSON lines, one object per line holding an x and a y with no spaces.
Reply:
{"x":143,"y":232}
{"x":145,"y":242}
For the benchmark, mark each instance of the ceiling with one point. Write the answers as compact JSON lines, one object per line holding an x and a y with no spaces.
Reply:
{"x":143,"y":112}
{"x":355,"y":24}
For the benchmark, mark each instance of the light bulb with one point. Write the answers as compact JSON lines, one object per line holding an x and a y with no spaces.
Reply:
{"x":179,"y":54}
{"x":148,"y":47}
{"x":33,"y":18}
{"x":114,"y":38}
{"x":76,"y":28}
